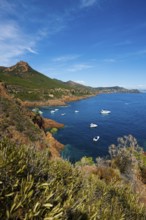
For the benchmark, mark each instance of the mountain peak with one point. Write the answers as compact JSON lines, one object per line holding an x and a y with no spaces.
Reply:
{"x":22,"y":63}
{"x":20,"y":67}
{"x":72,"y":83}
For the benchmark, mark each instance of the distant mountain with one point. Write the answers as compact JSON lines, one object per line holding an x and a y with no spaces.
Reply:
{"x":116,"y":89}
{"x":75,"y":84}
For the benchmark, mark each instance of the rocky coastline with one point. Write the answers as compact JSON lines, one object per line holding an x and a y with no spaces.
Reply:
{"x":55,"y":102}
{"x":23,"y":126}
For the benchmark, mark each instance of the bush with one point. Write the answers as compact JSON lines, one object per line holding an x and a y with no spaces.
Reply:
{"x":33,"y":187}
{"x":53,"y":130}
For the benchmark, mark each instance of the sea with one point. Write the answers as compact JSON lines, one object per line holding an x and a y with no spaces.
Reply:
{"x":128,"y":116}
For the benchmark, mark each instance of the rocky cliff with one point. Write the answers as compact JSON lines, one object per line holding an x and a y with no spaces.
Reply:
{"x":24,"y":127}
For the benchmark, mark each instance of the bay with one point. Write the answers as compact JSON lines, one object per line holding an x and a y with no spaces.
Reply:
{"x":128,"y":116}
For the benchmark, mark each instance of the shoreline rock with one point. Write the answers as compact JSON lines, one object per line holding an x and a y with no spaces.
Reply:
{"x":55,"y":102}
{"x":55,"y":146}
{"x":49,"y":123}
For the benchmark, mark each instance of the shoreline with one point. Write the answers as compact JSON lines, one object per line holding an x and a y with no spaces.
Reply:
{"x":63,"y":101}
{"x":55,"y":102}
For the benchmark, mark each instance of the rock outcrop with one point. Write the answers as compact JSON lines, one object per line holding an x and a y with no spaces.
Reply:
{"x":24,"y":127}
{"x":19,"y":68}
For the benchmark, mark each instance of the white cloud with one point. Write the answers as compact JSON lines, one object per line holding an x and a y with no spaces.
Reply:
{"x":140,"y":52}
{"x":65,"y":58}
{"x":79,"y":67}
{"x":87,"y":3}
{"x":8,"y":31}
{"x":6,"y":6}
{"x":110,"y":60}
{"x":14,"y":43}
{"x":31,"y":50}
{"x":16,"y":39}
{"x":123,"y":43}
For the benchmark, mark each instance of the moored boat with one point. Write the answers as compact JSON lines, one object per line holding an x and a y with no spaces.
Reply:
{"x":96,"y":138}
{"x":92,"y":125}
{"x":104,"y":111}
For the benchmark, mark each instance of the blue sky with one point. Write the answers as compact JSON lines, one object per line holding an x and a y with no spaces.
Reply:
{"x":94,"y":42}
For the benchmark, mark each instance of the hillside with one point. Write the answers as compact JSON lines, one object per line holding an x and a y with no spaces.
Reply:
{"x":28,"y":84}
{"x":25,"y":127}
{"x":23,"y":75}
{"x":37,"y":184}
{"x":35,"y":187}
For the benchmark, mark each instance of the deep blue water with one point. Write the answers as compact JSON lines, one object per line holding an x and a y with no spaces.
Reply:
{"x":128,"y":116}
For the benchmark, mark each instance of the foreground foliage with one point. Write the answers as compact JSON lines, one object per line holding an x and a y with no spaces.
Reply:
{"x":33,"y":187}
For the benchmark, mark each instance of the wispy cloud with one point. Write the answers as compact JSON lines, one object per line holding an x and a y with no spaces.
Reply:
{"x":141,"y":86}
{"x":6,"y":6}
{"x":79,"y":67}
{"x":123,"y":43}
{"x":140,"y":52}
{"x":133,"y":54}
{"x":87,"y":3}
{"x":65,"y":58}
{"x":14,"y":43}
{"x":31,"y":50}
{"x":109,"y":60}
{"x":17,"y":38}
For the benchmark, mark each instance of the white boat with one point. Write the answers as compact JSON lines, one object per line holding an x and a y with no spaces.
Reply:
{"x":96,"y":138}
{"x":76,"y":111}
{"x":103,"y":111}
{"x":40,"y":112}
{"x":92,"y":125}
{"x":63,"y":114}
{"x":37,"y":111}
{"x":52,"y":111}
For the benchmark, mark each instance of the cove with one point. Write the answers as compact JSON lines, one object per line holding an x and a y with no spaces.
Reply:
{"x":128,"y":116}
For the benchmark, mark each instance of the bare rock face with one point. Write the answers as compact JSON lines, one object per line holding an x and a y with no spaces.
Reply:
{"x":49,"y":123}
{"x":20,"y":67}
{"x":54,"y":146}
{"x":3,"y":91}
{"x":17,"y":123}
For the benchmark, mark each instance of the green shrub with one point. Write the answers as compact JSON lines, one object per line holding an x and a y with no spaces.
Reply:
{"x":85,"y":161}
{"x":53,"y":130}
{"x":33,"y":187}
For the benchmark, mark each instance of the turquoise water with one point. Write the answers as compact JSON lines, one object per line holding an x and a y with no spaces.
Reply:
{"x":128,"y":116}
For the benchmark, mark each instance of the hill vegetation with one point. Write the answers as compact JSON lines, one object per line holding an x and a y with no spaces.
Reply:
{"x":35,"y":183}
{"x":28,"y":84}
{"x":25,"y":127}
{"x":35,"y":187}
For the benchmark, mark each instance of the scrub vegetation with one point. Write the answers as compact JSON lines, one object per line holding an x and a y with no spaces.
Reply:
{"x":34,"y":187}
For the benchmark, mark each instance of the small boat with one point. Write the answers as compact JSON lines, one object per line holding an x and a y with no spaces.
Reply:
{"x":63,"y":114}
{"x":40,"y":112}
{"x":56,"y":109}
{"x":103,"y":111}
{"x":76,"y":111}
{"x":37,"y":111}
{"x":92,"y":125}
{"x":96,"y":138}
{"x":52,"y":111}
